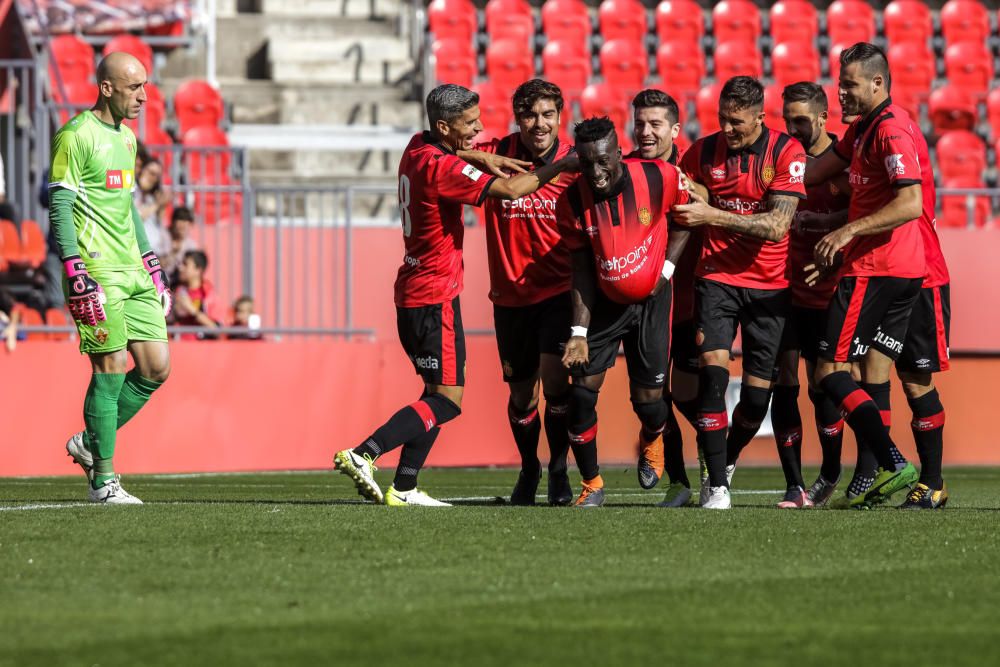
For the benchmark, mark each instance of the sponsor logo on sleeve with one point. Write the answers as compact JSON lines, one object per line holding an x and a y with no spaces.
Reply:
{"x":796,"y":172}
{"x":894,"y":165}
{"x":471,"y":173}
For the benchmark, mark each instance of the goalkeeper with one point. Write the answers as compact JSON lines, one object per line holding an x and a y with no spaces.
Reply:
{"x":115,"y":289}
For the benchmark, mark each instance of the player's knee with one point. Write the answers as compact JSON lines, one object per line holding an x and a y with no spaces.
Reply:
{"x":916,"y":385}
{"x":444,"y":408}
{"x":652,"y":414}
{"x":753,"y":405}
{"x":713,"y":381}
{"x":582,"y":408}
{"x":714,"y":358}
{"x":524,"y":396}
{"x":158,"y":372}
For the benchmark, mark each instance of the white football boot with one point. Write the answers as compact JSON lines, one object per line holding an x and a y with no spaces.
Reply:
{"x":80,"y":454}
{"x":112,"y":493}
{"x":411,"y":498}
{"x":718,"y":499}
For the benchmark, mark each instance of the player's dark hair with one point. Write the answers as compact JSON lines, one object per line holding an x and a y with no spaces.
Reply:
{"x":593,"y":129}
{"x":199,"y":258}
{"x":530,"y":92}
{"x":448,"y":102}
{"x":808,"y":92}
{"x":742,"y":92}
{"x":651,"y":97}
{"x":872,"y":59}
{"x":244,"y":298}
{"x":181,"y":213}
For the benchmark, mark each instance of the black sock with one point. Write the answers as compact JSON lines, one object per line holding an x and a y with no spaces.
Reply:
{"x":409,"y":423}
{"x":830,"y":428}
{"x":673,"y":449}
{"x":412,"y":458}
{"x":526,"y":427}
{"x":787,"y":424}
{"x":652,"y":416}
{"x":881,"y":393}
{"x":928,"y":433}
{"x":861,"y":413}
{"x":689,"y":409}
{"x":583,"y":430}
{"x":556,"y":414}
{"x":713,"y":420}
{"x":747,"y":416}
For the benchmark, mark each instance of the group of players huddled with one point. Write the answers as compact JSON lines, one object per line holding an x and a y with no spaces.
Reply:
{"x":815,"y":246}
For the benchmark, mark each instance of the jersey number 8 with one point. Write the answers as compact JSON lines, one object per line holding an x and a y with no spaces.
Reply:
{"x":404,"y":204}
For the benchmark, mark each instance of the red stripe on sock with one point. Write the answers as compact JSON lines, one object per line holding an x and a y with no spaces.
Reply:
{"x":831,"y":430}
{"x":449,"y":358}
{"x":586,"y":436}
{"x":712,"y":421}
{"x":942,"y":340}
{"x":790,"y":437}
{"x":425,"y":413}
{"x":931,"y":423}
{"x":853,"y":400}
{"x":525,"y":420}
{"x":851,"y":319}
{"x":886,"y":417}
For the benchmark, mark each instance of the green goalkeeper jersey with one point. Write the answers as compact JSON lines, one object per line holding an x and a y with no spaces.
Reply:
{"x":97,"y":162}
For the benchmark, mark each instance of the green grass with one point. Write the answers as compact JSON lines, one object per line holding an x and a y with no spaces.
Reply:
{"x":288,"y":569}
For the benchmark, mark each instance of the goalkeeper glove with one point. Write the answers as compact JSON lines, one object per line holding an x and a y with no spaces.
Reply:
{"x":86,"y":297}
{"x":152,"y":264}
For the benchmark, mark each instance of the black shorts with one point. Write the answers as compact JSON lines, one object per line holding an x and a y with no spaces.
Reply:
{"x":433,"y":338}
{"x":525,"y":332}
{"x":804,"y":329}
{"x":866,"y":311}
{"x":642,"y":329}
{"x":683,"y":349}
{"x":760,"y":314}
{"x":925,"y":348}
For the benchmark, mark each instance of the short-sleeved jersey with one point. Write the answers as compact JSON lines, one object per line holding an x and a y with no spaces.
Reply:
{"x":884,"y":155}
{"x":97,"y":162}
{"x":741,"y":182}
{"x":528,"y":260}
{"x":824,"y":198}
{"x":626,"y":229}
{"x":434,"y":183}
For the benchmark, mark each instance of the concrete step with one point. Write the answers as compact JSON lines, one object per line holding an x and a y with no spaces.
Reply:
{"x":340,"y":8}
{"x":368,"y":49}
{"x":328,"y":164}
{"x":252,"y":101}
{"x":308,"y":105}
{"x":341,"y":71}
{"x":311,"y":27}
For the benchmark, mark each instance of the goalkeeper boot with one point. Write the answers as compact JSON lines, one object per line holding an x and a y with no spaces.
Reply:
{"x":678,"y":495}
{"x":888,"y":482}
{"x":361,"y":470}
{"x":112,"y":493}
{"x":923,"y":497}
{"x":560,"y":492}
{"x":795,"y":498}
{"x":821,"y":491}
{"x":411,"y":498}
{"x":590,"y":496}
{"x":651,"y":461}
{"x":81,"y":455}
{"x":525,"y":488}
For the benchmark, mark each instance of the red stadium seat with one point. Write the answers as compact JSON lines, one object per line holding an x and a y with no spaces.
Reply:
{"x":32,"y":318}
{"x":912,"y":68}
{"x":454,"y":62}
{"x":79,"y":95}
{"x":735,"y":59}
{"x":681,"y":22}
{"x":10,"y":245}
{"x":960,"y":154}
{"x":907,"y":21}
{"x":793,"y":21}
{"x":681,"y":69}
{"x":623,"y":19}
{"x":206,"y":166}
{"x":965,"y":21}
{"x":495,"y":109}
{"x":952,"y":108}
{"x":567,"y":21}
{"x":834,"y":124}
{"x":56,"y":317}
{"x":32,"y":244}
{"x":707,"y":108}
{"x":955,"y":208}
{"x":567,"y":66}
{"x":969,"y":66}
{"x":791,"y":63}
{"x":74,"y":58}
{"x":509,"y":64}
{"x":624,"y":64}
{"x":510,"y":20}
{"x":993,"y":111}
{"x":833,"y":60}
{"x":850,"y":21}
{"x":154,"y":111}
{"x":197,"y":103}
{"x":736,"y":21}
{"x":773,"y":107}
{"x":453,"y":19}
{"x":602,"y":99}
{"x":132,"y":45}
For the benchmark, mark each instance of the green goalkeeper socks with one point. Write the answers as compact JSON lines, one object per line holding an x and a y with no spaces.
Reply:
{"x":135,"y":391}
{"x":100,"y":414}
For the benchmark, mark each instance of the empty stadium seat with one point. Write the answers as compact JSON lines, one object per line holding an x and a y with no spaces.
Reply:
{"x":965,"y":21}
{"x":624,"y":64}
{"x":79,"y":95}
{"x":206,"y":166}
{"x":794,"y":62}
{"x":74,"y":59}
{"x":681,"y":69}
{"x":955,"y":208}
{"x":509,"y":64}
{"x":31,"y":318}
{"x":735,"y":59}
{"x":793,"y":21}
{"x":969,"y":65}
{"x":454,"y":62}
{"x":567,"y":21}
{"x":707,"y":108}
{"x":495,"y":109}
{"x":736,"y":20}
{"x":154,"y":111}
{"x":196,"y":103}
{"x":952,"y":108}
{"x":602,"y":99}
{"x":960,"y":154}
{"x":833,"y":60}
{"x":10,"y":245}
{"x":453,"y":19}
{"x":834,"y":124}
{"x":510,"y":20}
{"x":993,"y":111}
{"x":773,"y":107}
{"x":623,"y":19}
{"x":56,"y":317}
{"x":680,"y":22}
{"x":568,"y":66}
{"x":850,"y":21}
{"x":912,"y":67}
{"x":32,"y":244}
{"x":134,"y":46}
{"x":907,"y":21}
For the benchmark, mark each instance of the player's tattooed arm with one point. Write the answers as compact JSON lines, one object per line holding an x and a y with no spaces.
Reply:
{"x":771,"y":225}
{"x":825,"y":167}
{"x":583,"y":292}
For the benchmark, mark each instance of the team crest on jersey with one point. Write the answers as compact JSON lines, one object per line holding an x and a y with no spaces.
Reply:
{"x":101,"y":334}
{"x":767,"y":173}
{"x":834,"y":190}
{"x":645,"y":217}
{"x":128,"y":143}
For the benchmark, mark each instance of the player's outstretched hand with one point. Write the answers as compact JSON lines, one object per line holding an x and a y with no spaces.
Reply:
{"x":160,"y":282}
{"x":498,"y":165}
{"x":694,"y":214}
{"x":86,"y":297}
{"x":577,"y":353}
{"x":830,"y":245}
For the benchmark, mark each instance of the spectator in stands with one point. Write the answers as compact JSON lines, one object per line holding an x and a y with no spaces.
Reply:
{"x":181,"y":242}
{"x":194,"y":296}
{"x":244,"y":316}
{"x":7,"y":210}
{"x":9,"y":317}
{"x":151,"y":199}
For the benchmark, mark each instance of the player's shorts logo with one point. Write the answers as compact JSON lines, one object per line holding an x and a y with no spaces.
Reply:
{"x":645,"y":217}
{"x":767,"y":173}
{"x":101,"y":334}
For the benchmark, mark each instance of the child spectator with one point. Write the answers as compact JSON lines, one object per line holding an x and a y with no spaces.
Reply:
{"x":194,"y":297}
{"x":244,"y":316}
{"x":181,"y":242}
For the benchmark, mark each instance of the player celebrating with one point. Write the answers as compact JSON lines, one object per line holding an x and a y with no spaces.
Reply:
{"x":434,"y":183}
{"x":615,"y":219}
{"x":825,"y":209}
{"x":883,"y":260}
{"x":754,"y":177}
{"x":529,"y":288}
{"x":115,"y":288}
{"x":656,"y":124}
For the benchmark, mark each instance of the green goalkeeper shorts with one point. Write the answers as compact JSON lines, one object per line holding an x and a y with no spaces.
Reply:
{"x":132,"y":309}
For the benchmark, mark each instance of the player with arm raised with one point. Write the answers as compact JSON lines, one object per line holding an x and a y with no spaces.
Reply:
{"x":434,"y":184}
{"x":115,"y":288}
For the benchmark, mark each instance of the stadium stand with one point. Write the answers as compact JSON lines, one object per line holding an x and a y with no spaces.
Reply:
{"x":567,"y":64}
{"x":196,"y":103}
{"x":453,"y":20}
{"x":135,"y":46}
{"x":510,"y":20}
{"x":965,"y":21}
{"x":907,"y":21}
{"x":454,"y":61}
{"x":567,"y":21}
{"x":681,"y":70}
{"x":624,"y":65}
{"x":951,"y":108}
{"x":849,"y":22}
{"x":736,"y":21}
{"x":794,"y":61}
{"x":969,"y":65}
{"x":794,"y":21}
{"x":737,"y":58}
{"x":623,"y":19}
{"x":681,"y":22}
{"x":960,"y":154}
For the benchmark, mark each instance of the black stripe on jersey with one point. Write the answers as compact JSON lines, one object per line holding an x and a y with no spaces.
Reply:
{"x":612,"y":205}
{"x":654,"y":179}
{"x":708,"y":150}
{"x":629,"y":203}
{"x":576,"y":201}
{"x":868,"y":138}
{"x":504,"y":147}
{"x":779,"y":145}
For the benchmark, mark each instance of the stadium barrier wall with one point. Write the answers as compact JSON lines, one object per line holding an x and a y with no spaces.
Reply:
{"x":265,"y":405}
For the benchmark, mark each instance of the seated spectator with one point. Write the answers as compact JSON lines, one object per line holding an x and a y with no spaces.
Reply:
{"x":9,"y":317}
{"x":151,"y":198}
{"x":181,"y":242}
{"x":244,"y":316}
{"x":7,"y":210}
{"x":194,"y":296}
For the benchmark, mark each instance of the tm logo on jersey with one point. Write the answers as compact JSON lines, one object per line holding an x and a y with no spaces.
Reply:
{"x":119,"y":179}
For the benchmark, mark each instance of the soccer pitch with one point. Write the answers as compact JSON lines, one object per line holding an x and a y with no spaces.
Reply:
{"x":290,"y":569}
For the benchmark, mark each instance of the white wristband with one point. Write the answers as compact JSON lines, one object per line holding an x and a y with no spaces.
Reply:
{"x":668,"y":270}
{"x":578,"y":331}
